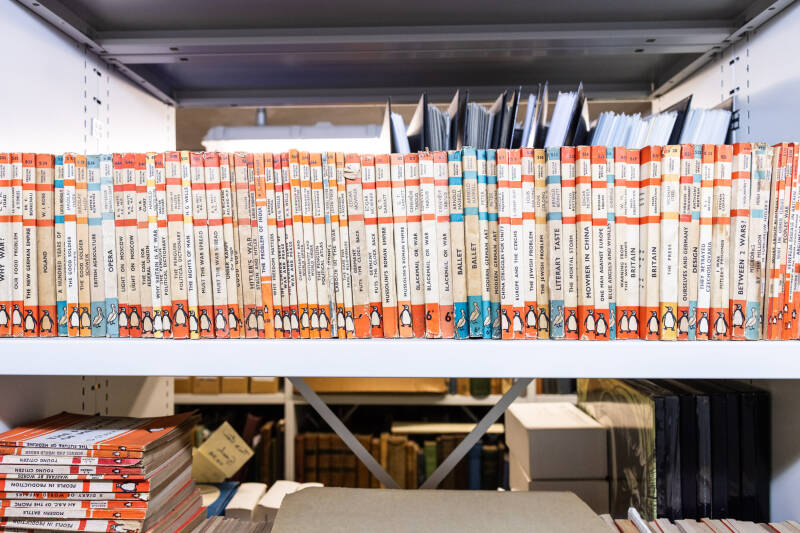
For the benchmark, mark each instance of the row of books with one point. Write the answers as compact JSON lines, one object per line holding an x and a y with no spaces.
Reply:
{"x":684,"y":449}
{"x":705,"y":525}
{"x":673,"y":242}
{"x":74,"y":472}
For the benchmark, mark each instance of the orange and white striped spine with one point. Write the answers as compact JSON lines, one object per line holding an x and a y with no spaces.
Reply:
{"x":143,"y":249}
{"x":792,"y":247}
{"x":600,"y":236}
{"x":704,"y":247}
{"x":441,"y":182}
{"x":174,"y":319}
{"x":583,"y":228}
{"x":430,"y":272}
{"x":414,"y":223}
{"x":720,"y":243}
{"x":320,"y":322}
{"x":308,"y":246}
{"x":542,"y":247}
{"x":30,"y":286}
{"x":17,"y":309}
{"x":162,"y":237}
{"x":504,"y":239}
{"x":773,"y":310}
{"x":150,"y":323}
{"x":265,"y":312}
{"x":347,"y":327}
{"x":359,"y":322}
{"x":386,"y":245}
{"x":131,"y":245}
{"x":529,"y":241}
{"x":669,"y":247}
{"x":369,"y":205}
{"x":401,"y":256}
{"x":687,"y":269}
{"x":276,"y":310}
{"x":739,"y":234}
{"x":45,"y":246}
{"x":216,"y":244}
{"x":650,"y":236}
{"x":5,"y":243}
{"x":517,"y":290}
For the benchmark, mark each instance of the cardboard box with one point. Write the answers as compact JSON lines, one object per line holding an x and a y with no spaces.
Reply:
{"x":234,"y":385}
{"x":424,"y":385}
{"x":556,"y":441}
{"x":339,"y":510}
{"x":182,"y":385}
{"x":264,"y":385}
{"x":205,"y":385}
{"x":594,"y":492}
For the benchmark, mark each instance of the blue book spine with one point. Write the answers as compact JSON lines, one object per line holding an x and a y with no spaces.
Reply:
{"x":472,"y":235}
{"x":494,"y":252}
{"x":612,"y":295}
{"x":58,"y":219}
{"x":553,"y":183}
{"x":483,"y":244}
{"x":98,"y":298}
{"x":697,"y":178}
{"x":111,"y":302}
{"x":474,"y":466}
{"x":456,"y":186}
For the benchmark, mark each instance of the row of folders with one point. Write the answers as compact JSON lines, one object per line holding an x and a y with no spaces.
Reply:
{"x":674,"y":242}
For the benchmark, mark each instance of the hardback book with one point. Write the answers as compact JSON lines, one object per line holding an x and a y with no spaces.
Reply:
{"x":373,"y":254}
{"x":386,"y":246}
{"x":583,"y":224}
{"x":243,"y":503}
{"x":401,"y":251}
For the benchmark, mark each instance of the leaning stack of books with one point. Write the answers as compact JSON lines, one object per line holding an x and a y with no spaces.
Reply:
{"x":73,"y":472}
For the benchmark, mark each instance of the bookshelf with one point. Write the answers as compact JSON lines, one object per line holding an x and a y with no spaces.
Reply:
{"x":432,"y":400}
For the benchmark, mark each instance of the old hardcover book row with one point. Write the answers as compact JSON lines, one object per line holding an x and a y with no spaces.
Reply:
{"x":686,"y":242}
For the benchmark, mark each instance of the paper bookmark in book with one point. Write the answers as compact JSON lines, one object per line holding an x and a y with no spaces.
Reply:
{"x":342,"y":315}
{"x":320,"y":321}
{"x":386,"y":245}
{"x":686,"y":196}
{"x":369,"y":205}
{"x":161,"y":322}
{"x":669,"y":249}
{"x":554,"y":236}
{"x":6,"y":235}
{"x":359,"y":323}
{"x":542,"y":244}
{"x":30,"y":287}
{"x":621,"y":246}
{"x":517,"y":290}
{"x":583,"y":226}
{"x":308,"y":247}
{"x":71,"y":240}
{"x":178,"y":320}
{"x":205,"y":299}
{"x":720,"y":243}
{"x":58,"y":221}
{"x":414,"y":224}
{"x":430,"y":273}
{"x":334,"y":246}
{"x":458,"y":245}
{"x":17,"y":308}
{"x":275,"y":313}
{"x":143,"y":249}
{"x":484,"y":255}
{"x":650,"y":325}
{"x":472,"y":260}
{"x":570,"y":242}
{"x":82,"y":217}
{"x":611,"y":243}
{"x":600,"y":241}
{"x":402,"y":266}
{"x":792,"y":247}
{"x":441,"y":181}
{"x":45,"y":245}
{"x":109,"y":249}
{"x":264,"y":317}
{"x":704,"y":242}
{"x":96,"y":262}
{"x":216,"y":244}
{"x":504,"y":243}
{"x":740,"y":232}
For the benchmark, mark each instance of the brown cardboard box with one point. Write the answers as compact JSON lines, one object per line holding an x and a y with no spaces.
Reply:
{"x":183,"y":385}
{"x":339,"y":510}
{"x":205,"y":385}
{"x":264,"y":385}
{"x":424,"y":385}
{"x":234,"y":385}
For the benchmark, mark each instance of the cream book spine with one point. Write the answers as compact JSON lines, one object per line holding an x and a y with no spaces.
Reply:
{"x":308,"y":247}
{"x":583,"y":228}
{"x":190,"y":255}
{"x":96,"y":264}
{"x":254,"y":315}
{"x":472,"y":242}
{"x":45,"y":246}
{"x":444,"y":264}
{"x":720,"y":243}
{"x":275,"y":313}
{"x":17,"y":308}
{"x":5,"y":242}
{"x":230,"y":234}
{"x":569,"y":242}
{"x":264,"y":314}
{"x":150,"y":322}
{"x":401,"y":253}
{"x":359,"y":323}
{"x":685,"y":199}
{"x":740,"y":226}
{"x":247,"y":260}
{"x":216,"y":244}
{"x":554,"y":236}
{"x":790,"y":322}
{"x":320,"y":320}
{"x":334,"y":243}
{"x":414,"y":223}
{"x":484,"y":254}
{"x":669,"y":247}
{"x":386,"y":245}
{"x":342,"y":315}
{"x":143,"y":250}
{"x":120,"y":241}
{"x":761,"y":180}
{"x":369,"y":205}
{"x":30,"y":283}
{"x":517,"y":251}
{"x":430,"y":274}
{"x":542,"y":244}
{"x":298,"y":229}
{"x":704,"y":246}
{"x":161,"y":320}
{"x":503,"y":240}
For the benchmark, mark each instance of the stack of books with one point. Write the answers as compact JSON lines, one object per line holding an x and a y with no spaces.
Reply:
{"x":74,"y":472}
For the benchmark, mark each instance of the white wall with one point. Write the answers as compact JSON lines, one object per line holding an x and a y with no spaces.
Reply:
{"x":47,"y":95}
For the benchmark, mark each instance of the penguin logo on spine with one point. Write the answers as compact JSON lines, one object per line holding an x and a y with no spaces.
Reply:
{"x":98,"y":317}
{"x":158,"y":321}
{"x":180,"y":316}
{"x":278,"y":320}
{"x":572,"y":322}
{"x":46,"y":323}
{"x":324,"y":323}
{"x":652,"y":323}
{"x":530,"y":317}
{"x":752,"y":320}
{"x":544,"y":320}
{"x":601,"y":327}
{"x":505,"y":323}
{"x":205,"y":321}
{"x":166,"y":323}
{"x":74,"y":318}
{"x":252,"y":320}
{"x":340,"y":317}
{"x":375,"y":317}
{"x":287,"y":321}
{"x":405,"y":316}
{"x":3,"y":316}
{"x":589,"y":321}
{"x":86,"y":320}
{"x":314,"y":319}
{"x":123,"y":317}
{"x":304,"y":319}
{"x":295,"y":322}
{"x":233,"y":320}
{"x":260,"y":319}
{"x":668,"y":320}
{"x":517,"y":322}
{"x":349,"y":324}
{"x":702,"y":324}
{"x":16,"y":316}
{"x":633,"y":323}
{"x":737,"y":320}
{"x":683,"y":322}
{"x":30,"y":322}
{"x":193,"y":326}
{"x":720,"y":324}
{"x":622,"y":325}
{"x":219,"y":321}
{"x":135,"y":321}
{"x":147,"y":323}
{"x":112,"y":316}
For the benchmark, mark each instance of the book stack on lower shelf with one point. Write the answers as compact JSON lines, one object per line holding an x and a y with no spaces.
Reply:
{"x":75,"y":472}
{"x":704,"y":525}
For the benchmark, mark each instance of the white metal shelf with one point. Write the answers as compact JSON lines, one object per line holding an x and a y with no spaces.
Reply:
{"x":400,"y":358}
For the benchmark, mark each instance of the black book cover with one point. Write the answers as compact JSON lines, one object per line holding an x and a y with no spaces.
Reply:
{"x":719,"y":451}
{"x":498,"y":121}
{"x":689,"y":444}
{"x":489,"y":473}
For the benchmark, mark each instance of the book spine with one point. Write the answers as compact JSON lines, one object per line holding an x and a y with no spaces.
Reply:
{"x":283,"y":260}
{"x":58,"y":218}
{"x":458,"y":244}
{"x":503,"y":243}
{"x":720,"y":251}
{"x":276,"y":312}
{"x":484,"y":254}
{"x":386,"y":245}
{"x":298,"y":246}
{"x":359,"y":322}
{"x":308,"y":247}
{"x":772,"y":303}
{"x":517,"y":251}
{"x":143,"y":250}
{"x":600,"y":241}
{"x":320,"y":320}
{"x":583,"y":227}
{"x":177,"y":321}
{"x":17,"y":308}
{"x":190,"y":250}
{"x":669,"y":247}
{"x":685,"y":273}
{"x":402,"y":267}
{"x":472,"y":258}
{"x":162,"y":238}
{"x":254,"y":315}
{"x":633,"y":199}
{"x":430,"y":273}
{"x":783,"y":250}
{"x":369,"y":205}
{"x":704,"y":246}
{"x":441,"y":180}
{"x":611,"y":242}
{"x":121,"y":241}
{"x":109,"y":251}
{"x":757,"y":244}
{"x":621,"y":245}
{"x":6,"y":236}
{"x":554,"y":236}
{"x":739,"y":233}
{"x":414,"y":223}
{"x":230,"y":234}
{"x":789,"y":286}
{"x":335,"y":246}
{"x":30,"y":254}
{"x":569,"y":243}
{"x":542,"y":244}
{"x":134,"y":315}
{"x":82,"y":218}
{"x":694,"y":239}
{"x":794,"y":240}
{"x":45,"y":245}
{"x":650,"y":326}
{"x":291,"y":325}
{"x":216,"y":244}
{"x":346,"y":254}
{"x":246,"y":262}
{"x":494,"y":245}
{"x":96,"y":278}
{"x":264,"y":317}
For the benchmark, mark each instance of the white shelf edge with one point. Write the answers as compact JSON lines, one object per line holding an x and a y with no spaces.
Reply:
{"x":400,"y":358}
